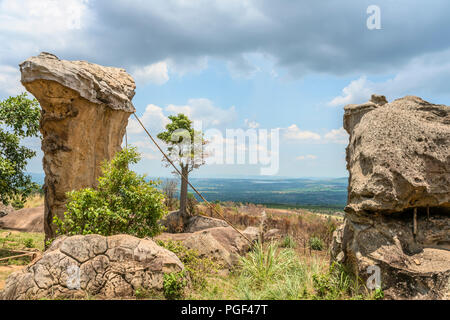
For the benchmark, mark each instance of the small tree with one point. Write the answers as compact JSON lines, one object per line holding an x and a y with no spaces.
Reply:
{"x":19,"y":119}
{"x":185,"y":148}
{"x":123,"y":202}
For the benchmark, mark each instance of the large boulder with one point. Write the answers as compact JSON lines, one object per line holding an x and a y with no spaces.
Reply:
{"x":85,"y":110}
{"x":398,"y":155}
{"x":224,"y":245}
{"x":175,"y":222}
{"x":26,"y":220}
{"x":398,"y":209}
{"x":79,"y":266}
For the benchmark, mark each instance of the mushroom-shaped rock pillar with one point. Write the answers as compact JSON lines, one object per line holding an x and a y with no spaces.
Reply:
{"x":85,"y":110}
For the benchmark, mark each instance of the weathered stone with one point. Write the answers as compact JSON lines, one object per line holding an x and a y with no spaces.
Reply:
{"x":223,"y":245}
{"x":398,"y":155}
{"x":398,"y":208}
{"x":85,"y":110}
{"x":94,"y":268}
{"x":198,"y":223}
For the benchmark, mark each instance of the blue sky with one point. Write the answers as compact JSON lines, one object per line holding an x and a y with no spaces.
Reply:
{"x":242,"y":64}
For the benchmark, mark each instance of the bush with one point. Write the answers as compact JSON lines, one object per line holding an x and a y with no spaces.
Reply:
{"x":316,"y":243}
{"x":337,"y":283}
{"x":174,"y":284}
{"x":123,"y":202}
{"x":271,"y":273}
{"x":288,"y":242}
{"x":198,"y":268}
{"x":29,"y":243}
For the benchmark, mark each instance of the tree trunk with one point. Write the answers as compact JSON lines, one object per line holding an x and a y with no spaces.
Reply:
{"x":183,"y":192}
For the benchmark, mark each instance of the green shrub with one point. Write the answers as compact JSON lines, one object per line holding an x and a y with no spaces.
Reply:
{"x":316,"y":243}
{"x":123,"y":202}
{"x":378,"y":294}
{"x":197,"y":267}
{"x":336,"y":284}
{"x":28,"y":243}
{"x":288,"y":242}
{"x":174,"y":284}
{"x":271,"y":273}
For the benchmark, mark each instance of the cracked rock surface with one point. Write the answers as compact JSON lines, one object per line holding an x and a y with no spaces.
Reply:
{"x":77,"y":266}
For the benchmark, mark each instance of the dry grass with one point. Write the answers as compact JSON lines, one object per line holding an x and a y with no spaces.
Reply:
{"x":15,"y":240}
{"x":299,"y":223}
{"x":34,"y":201}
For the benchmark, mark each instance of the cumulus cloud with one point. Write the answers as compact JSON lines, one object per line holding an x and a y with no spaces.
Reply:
{"x":339,"y":136}
{"x":10,"y":81}
{"x":156,"y":73}
{"x":153,"y":119}
{"x":306,"y":157}
{"x":293,"y":132}
{"x":205,"y":111}
{"x":425,"y":75}
{"x":117,"y":33}
{"x":251,"y":124}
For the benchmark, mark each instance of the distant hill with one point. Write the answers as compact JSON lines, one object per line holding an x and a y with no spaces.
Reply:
{"x":299,"y":192}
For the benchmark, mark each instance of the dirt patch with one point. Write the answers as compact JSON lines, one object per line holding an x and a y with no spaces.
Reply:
{"x":27,"y":220}
{"x":5,"y":271}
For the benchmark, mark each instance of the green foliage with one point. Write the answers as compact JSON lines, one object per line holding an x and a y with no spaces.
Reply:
{"x":337,"y":283}
{"x":123,"y":202}
{"x":174,"y":284}
{"x":315,"y":243}
{"x":197,"y":267}
{"x":19,"y":118}
{"x":185,"y":143}
{"x":270,"y":273}
{"x":28,"y":243}
{"x":288,"y":242}
{"x":378,"y":294}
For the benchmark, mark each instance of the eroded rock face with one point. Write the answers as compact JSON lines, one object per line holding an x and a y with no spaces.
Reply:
{"x":85,"y":110}
{"x":398,"y":209}
{"x":398,"y":155}
{"x":78,"y":266}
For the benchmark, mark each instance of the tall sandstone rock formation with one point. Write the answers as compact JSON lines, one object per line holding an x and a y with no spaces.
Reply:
{"x":398,"y":209}
{"x":85,"y":110}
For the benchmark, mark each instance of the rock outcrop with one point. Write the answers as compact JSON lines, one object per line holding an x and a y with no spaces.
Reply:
{"x":398,"y":208}
{"x":79,"y":266}
{"x":224,"y":245}
{"x":174,"y":222}
{"x":398,"y":155}
{"x":85,"y":110}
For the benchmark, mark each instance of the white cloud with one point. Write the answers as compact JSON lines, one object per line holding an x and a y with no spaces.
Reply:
{"x":425,"y":75}
{"x":153,"y":119}
{"x":156,"y":73}
{"x":306,"y":157}
{"x":148,"y":156}
{"x":204,"y":110}
{"x":10,"y":81}
{"x":293,"y":132}
{"x":339,"y":136}
{"x":251,"y":124}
